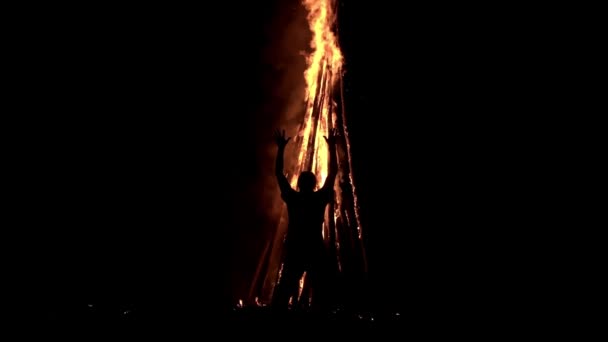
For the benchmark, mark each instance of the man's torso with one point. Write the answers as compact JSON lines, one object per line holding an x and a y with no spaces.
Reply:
{"x":306,"y":215}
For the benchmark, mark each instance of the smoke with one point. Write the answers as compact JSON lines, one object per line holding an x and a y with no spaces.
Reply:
{"x":282,"y":107}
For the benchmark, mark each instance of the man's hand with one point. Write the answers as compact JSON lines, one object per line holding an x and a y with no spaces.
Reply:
{"x":333,"y":135}
{"x":279,"y":138}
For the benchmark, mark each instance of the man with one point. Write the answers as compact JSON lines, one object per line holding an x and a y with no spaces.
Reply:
{"x":305,"y":250}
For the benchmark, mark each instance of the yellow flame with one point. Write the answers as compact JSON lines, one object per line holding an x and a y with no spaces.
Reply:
{"x":324,"y":43}
{"x":323,"y":71}
{"x":324,"y":65}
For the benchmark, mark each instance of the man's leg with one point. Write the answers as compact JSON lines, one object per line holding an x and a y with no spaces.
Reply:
{"x":288,"y":284}
{"x":321,"y":281}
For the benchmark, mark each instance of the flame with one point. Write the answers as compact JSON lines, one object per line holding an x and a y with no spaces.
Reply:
{"x":301,"y":287}
{"x":323,"y":77}
{"x":324,"y":65}
{"x":324,"y":69}
{"x":321,"y":18}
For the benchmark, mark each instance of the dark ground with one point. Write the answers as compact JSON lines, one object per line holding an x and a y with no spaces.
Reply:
{"x":136,"y":134}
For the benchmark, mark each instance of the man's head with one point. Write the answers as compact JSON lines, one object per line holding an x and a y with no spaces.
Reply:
{"x":307,"y":181}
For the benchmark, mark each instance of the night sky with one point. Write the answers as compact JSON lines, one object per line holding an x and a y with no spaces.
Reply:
{"x":147,"y":133}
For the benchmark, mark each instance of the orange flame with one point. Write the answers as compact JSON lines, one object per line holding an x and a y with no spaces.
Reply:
{"x":324,"y":65}
{"x":321,"y":18}
{"x":324,"y":69}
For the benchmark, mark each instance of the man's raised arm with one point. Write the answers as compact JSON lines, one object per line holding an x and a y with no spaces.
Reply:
{"x":281,"y":142}
{"x":333,"y":161}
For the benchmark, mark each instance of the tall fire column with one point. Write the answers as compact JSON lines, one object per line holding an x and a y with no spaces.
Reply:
{"x":324,"y":110}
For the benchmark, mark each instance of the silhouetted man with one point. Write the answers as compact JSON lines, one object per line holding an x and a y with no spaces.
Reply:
{"x":304,"y":246}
